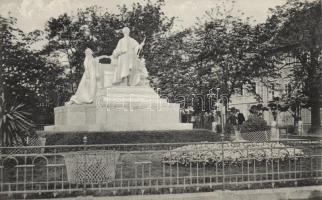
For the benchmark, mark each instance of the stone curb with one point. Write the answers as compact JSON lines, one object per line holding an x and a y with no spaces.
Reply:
{"x":294,"y":193}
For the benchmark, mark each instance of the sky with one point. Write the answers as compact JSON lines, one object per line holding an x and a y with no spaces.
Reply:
{"x":33,"y":14}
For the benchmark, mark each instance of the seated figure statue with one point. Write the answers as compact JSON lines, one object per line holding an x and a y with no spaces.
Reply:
{"x":86,"y":90}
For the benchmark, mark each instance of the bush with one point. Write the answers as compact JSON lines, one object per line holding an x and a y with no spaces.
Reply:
{"x":229,"y":130}
{"x":218,"y":128}
{"x":254,"y":123}
{"x":127,"y":137}
{"x":288,"y":129}
{"x":291,"y":129}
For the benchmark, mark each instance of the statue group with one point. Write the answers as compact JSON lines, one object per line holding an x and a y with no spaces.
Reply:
{"x":117,"y":96}
{"x":129,"y":69}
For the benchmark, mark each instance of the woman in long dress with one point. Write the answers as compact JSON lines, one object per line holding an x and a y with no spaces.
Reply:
{"x":86,"y":90}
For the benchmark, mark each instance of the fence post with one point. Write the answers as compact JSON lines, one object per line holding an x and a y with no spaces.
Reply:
{"x":214,"y":127}
{"x":272,"y":162}
{"x":223,"y":163}
{"x":85,"y":148}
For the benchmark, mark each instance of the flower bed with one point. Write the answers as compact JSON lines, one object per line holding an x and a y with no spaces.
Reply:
{"x":230,"y":152}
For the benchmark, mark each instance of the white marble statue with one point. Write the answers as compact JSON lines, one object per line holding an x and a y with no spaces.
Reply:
{"x":86,"y":90}
{"x":139,"y":73}
{"x":126,"y":60}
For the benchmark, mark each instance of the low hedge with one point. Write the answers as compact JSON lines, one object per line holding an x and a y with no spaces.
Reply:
{"x":127,"y":137}
{"x":254,"y":123}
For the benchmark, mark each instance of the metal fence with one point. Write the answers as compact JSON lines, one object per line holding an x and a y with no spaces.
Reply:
{"x":33,"y":172}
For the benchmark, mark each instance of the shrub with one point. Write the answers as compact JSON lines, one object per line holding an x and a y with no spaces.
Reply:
{"x":228,"y":130}
{"x":218,"y":128}
{"x":291,"y":129}
{"x":254,"y":123}
{"x":15,"y":124}
{"x":130,"y":137}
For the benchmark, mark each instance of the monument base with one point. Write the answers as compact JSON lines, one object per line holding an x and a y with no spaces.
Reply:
{"x":130,"y":127}
{"x":122,"y":108}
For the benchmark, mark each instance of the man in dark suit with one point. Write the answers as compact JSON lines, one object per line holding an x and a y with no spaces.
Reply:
{"x":240,"y":117}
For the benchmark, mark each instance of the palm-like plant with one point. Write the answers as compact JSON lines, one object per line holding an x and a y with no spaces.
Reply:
{"x":15,"y":124}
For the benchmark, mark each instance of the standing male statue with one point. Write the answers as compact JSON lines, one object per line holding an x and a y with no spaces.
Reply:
{"x":126,"y":58}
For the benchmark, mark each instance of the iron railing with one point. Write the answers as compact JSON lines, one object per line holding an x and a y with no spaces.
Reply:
{"x":32,"y":172}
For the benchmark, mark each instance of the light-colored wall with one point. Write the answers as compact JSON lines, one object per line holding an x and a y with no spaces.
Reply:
{"x":306,"y":118}
{"x":245,"y":101}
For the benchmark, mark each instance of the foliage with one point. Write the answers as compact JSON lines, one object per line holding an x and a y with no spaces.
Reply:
{"x":228,"y":130}
{"x":25,"y":75}
{"x":230,"y":50}
{"x":220,"y":51}
{"x":276,"y":105}
{"x":15,"y":124}
{"x":257,"y":109}
{"x":171,"y":71}
{"x":294,"y":33}
{"x":254,"y":123}
{"x":291,"y":129}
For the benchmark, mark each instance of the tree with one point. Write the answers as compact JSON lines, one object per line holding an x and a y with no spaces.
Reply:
{"x":170,"y":68}
{"x":294,"y":31}
{"x":18,"y":79}
{"x":228,"y":51}
{"x":26,"y":77}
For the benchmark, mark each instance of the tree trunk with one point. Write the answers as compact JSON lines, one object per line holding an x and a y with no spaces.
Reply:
{"x":315,"y":113}
{"x":1,"y":112}
{"x":315,"y":93}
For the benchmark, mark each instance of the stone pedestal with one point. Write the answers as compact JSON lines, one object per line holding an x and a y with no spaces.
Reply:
{"x":274,"y":131}
{"x":300,"y":128}
{"x":237,"y":135}
{"x":214,"y":127}
{"x":121,"y":108}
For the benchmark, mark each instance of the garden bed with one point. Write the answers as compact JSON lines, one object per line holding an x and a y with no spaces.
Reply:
{"x":235,"y":153}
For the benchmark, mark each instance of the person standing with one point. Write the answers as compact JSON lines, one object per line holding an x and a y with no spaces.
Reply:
{"x":240,"y":118}
{"x":232,"y":118}
{"x":126,"y":57}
